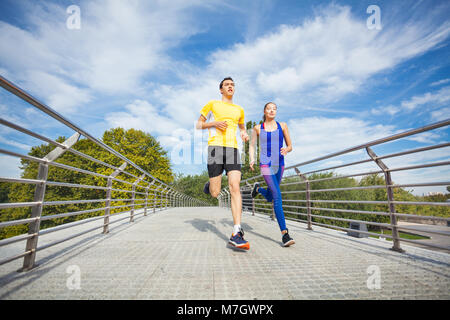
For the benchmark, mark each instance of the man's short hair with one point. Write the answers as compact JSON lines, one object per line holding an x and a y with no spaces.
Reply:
{"x":221,"y":82}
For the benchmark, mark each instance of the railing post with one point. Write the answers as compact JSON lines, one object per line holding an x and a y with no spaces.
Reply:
{"x":162,"y":193}
{"x":108,"y":196}
{"x":253,"y":206}
{"x":169,"y":201}
{"x":228,"y":198}
{"x":39,"y":195}
{"x":154,"y":198}
{"x":146,"y":197}
{"x":390,"y":198}
{"x":133,"y":196}
{"x":167,"y":198}
{"x":308,"y":198}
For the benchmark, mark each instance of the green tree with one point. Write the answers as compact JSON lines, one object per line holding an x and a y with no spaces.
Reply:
{"x":138,"y":146}
{"x":192,"y":185}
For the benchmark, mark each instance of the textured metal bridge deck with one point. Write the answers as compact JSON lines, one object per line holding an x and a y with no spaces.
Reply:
{"x":182,"y":253}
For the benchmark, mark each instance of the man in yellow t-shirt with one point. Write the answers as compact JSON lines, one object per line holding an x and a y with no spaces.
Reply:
{"x":221,"y":118}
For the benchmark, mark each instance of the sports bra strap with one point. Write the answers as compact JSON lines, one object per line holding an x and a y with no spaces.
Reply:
{"x":278,"y":125}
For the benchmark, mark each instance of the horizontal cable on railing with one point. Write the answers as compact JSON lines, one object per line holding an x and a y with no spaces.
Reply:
{"x":8,"y":205}
{"x":18,"y":256}
{"x":21,"y":180}
{"x":67,"y":238}
{"x":378,"y":224}
{"x":69,"y":214}
{"x":18,"y":238}
{"x":334,"y":167}
{"x":23,"y":156}
{"x":31,"y":133}
{"x":352,"y":230}
{"x":65,"y":202}
{"x":429,"y":184}
{"x":428,"y":165}
{"x":442,"y":145}
{"x":69,"y":225}
{"x":16,"y":222}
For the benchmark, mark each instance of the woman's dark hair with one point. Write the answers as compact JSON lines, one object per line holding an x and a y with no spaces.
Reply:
{"x":221,"y":82}
{"x":265,"y":106}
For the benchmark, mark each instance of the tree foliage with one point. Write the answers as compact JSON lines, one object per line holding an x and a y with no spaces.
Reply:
{"x":139,"y":147}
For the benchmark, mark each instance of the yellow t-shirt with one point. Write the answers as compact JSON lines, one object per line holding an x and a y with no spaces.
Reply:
{"x":233,"y":114}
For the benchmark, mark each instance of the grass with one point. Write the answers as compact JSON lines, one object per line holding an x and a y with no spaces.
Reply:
{"x":401,"y":234}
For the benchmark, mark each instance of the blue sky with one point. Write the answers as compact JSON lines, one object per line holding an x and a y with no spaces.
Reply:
{"x":152,"y":65}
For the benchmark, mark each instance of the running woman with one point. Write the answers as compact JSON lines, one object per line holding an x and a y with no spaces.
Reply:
{"x":271,"y":134}
{"x":223,"y":119}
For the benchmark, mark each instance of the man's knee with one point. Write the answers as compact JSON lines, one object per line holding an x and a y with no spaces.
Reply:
{"x":235,"y":188}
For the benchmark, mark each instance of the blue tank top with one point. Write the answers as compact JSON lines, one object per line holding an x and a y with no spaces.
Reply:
{"x":270,"y":144}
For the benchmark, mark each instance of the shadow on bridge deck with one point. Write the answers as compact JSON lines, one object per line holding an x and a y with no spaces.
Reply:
{"x":182,"y":253}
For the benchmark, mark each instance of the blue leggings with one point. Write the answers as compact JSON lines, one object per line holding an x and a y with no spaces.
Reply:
{"x":273,"y":180}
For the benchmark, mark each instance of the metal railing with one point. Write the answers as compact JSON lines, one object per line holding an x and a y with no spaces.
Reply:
{"x":306,"y":201}
{"x":143,"y":192}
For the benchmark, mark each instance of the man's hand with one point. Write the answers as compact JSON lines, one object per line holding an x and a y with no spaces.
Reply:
{"x":221,"y":125}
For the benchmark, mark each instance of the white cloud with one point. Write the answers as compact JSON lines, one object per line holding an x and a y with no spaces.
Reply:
{"x":438,"y":83}
{"x":9,"y":167}
{"x":441,"y":114}
{"x":15,"y":144}
{"x":59,"y":94}
{"x":118,"y":44}
{"x":439,"y":97}
{"x":425,"y":137}
{"x":142,"y":115}
{"x":325,"y":58}
{"x":391,"y":110}
{"x":309,"y":65}
{"x":433,"y":100}
{"x":318,"y":136}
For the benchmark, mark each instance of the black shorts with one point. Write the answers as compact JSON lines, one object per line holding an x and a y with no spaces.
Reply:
{"x":222,"y":158}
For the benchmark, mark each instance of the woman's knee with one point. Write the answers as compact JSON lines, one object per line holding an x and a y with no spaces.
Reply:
{"x":276,"y":195}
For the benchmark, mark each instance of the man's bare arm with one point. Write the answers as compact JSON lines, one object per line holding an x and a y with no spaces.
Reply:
{"x":202,"y":124}
{"x":244,"y":135}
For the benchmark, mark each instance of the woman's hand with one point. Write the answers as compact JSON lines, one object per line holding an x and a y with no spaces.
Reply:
{"x":284,"y":151}
{"x":251,"y":165}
